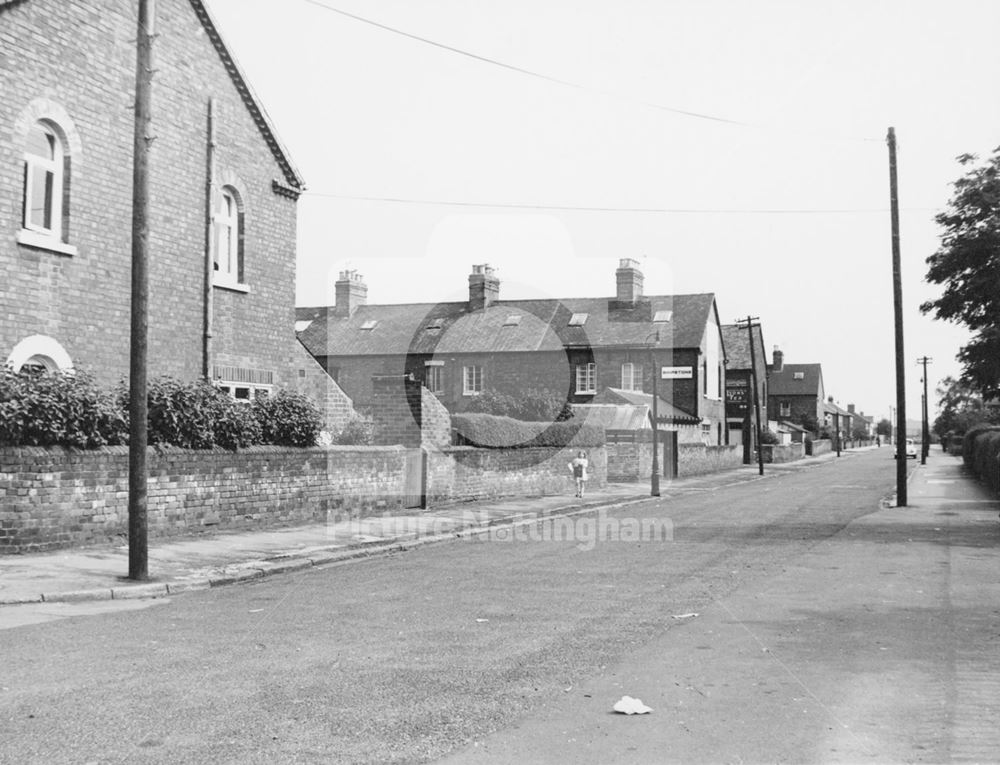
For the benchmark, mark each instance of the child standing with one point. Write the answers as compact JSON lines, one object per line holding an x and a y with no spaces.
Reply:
{"x":579,"y":467}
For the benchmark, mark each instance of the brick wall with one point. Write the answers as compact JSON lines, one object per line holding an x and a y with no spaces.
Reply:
{"x":698,"y":459}
{"x":783,"y":452}
{"x":462,"y":473}
{"x":55,"y":497}
{"x":74,"y":61}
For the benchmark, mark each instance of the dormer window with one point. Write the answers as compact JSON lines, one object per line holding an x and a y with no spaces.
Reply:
{"x":799,"y":376}
{"x":665,"y":315}
{"x":512,"y":321}
{"x":578,"y":319}
{"x":370,"y":324}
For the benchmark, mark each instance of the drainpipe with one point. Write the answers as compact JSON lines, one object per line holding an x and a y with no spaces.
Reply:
{"x":206,"y":361}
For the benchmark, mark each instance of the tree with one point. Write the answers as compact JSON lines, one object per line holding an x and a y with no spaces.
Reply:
{"x":884,"y":428}
{"x":961,"y":407}
{"x":968,"y":265}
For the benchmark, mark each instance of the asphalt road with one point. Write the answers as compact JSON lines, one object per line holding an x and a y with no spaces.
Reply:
{"x":418,"y":655}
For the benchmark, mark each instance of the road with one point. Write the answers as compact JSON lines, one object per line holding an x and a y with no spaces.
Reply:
{"x":505,"y":649}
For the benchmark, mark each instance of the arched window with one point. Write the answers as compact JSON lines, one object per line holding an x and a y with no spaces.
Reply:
{"x":38,"y":354}
{"x":45,"y":183}
{"x":228,"y":226}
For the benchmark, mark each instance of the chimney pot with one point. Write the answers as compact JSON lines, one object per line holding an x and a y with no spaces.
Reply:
{"x":779,"y":360}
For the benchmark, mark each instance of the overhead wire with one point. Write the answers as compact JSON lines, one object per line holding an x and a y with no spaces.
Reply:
{"x":567,"y":83}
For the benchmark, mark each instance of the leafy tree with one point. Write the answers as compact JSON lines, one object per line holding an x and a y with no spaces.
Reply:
{"x":961,"y":407}
{"x":884,"y":428}
{"x":968,"y":265}
{"x":809,"y":422}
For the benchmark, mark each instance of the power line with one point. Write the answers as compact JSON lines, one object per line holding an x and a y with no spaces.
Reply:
{"x":588,"y":208}
{"x":559,"y":81}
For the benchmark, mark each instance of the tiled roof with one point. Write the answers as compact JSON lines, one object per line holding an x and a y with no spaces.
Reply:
{"x":665,"y":412}
{"x":783,"y":383}
{"x":738,"y":346}
{"x":296,"y":185}
{"x":544,"y":325}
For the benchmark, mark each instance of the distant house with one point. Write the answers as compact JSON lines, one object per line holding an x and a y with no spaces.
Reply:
{"x":837,"y":419}
{"x":795,"y":391}
{"x":740,"y":415}
{"x":572,"y":347}
{"x":222,"y":209}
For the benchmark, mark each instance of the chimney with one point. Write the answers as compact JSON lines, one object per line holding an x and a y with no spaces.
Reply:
{"x":350,"y":292}
{"x":779,"y":360}
{"x":484,"y":287}
{"x":850,"y":408}
{"x":628,"y":279}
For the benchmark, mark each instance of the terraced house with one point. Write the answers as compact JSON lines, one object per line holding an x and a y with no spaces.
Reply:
{"x":222,"y":209}
{"x":572,"y":347}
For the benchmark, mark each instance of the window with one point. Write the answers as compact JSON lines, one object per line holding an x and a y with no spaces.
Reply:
{"x":472,"y":380}
{"x":227,"y":224}
{"x":631,"y":376}
{"x":44,"y":181}
{"x":245,"y":393}
{"x":435,"y":379}
{"x":512,"y":321}
{"x":663,"y":315}
{"x":586,"y":378}
{"x":370,"y":324}
{"x":798,"y":375}
{"x":786,"y":409}
{"x":578,"y":319}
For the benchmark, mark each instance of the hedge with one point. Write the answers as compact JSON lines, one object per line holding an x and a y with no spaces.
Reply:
{"x":981,"y":452}
{"x":496,"y":432}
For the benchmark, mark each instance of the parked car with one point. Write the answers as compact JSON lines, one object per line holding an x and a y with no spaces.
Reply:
{"x":911,"y":449}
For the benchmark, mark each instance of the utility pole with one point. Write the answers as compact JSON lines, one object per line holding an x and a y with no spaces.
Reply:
{"x":756,"y":391}
{"x":925,"y":434}
{"x":897,"y":303}
{"x":138,"y":553}
{"x":654,"y":476}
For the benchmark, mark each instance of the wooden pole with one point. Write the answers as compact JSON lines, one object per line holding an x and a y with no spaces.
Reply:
{"x":138,"y":553}
{"x":897,"y":302}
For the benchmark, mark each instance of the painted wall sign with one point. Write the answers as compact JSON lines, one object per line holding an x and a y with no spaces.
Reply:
{"x":676,"y":373}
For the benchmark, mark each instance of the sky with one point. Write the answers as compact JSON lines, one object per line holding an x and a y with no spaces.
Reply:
{"x":730,"y":147}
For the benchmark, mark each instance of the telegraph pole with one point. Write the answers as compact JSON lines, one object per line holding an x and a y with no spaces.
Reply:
{"x":138,"y":553}
{"x":897,"y":302}
{"x":756,"y":391}
{"x":925,"y":433}
{"x":654,"y":476}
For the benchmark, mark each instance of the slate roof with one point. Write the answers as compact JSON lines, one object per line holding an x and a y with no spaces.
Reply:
{"x":543,"y":326}
{"x":665,"y":412}
{"x":783,"y":383}
{"x":738,"y":346}
{"x":293,"y":178}
{"x":615,"y":416}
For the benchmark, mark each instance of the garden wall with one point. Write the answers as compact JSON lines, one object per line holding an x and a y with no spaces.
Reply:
{"x":55,"y":497}
{"x":698,"y":459}
{"x":820,"y":446}
{"x":464,"y":473}
{"x":783,"y":452}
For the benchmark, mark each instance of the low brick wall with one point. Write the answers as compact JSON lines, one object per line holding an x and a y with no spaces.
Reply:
{"x":783,"y":452}
{"x":698,"y":459}
{"x":53,"y":497}
{"x":820,"y":446}
{"x":630,"y":461}
{"x":464,"y":473}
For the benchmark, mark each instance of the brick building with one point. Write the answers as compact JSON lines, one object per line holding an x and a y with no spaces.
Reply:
{"x":223,"y":197}
{"x":796,"y":391}
{"x":574,"y":348}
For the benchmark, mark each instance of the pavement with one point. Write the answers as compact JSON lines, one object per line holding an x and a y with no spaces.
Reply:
{"x":218,"y":558}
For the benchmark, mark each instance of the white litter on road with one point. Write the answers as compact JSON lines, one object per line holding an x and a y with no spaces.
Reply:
{"x":683,"y":616}
{"x":626,"y":705}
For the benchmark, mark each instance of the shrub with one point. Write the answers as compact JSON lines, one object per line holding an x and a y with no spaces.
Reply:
{"x":767,"y":436}
{"x":357,"y":431}
{"x":497,"y":432}
{"x":57,"y":409}
{"x":288,"y":419}
{"x":185,"y":414}
{"x":530,"y":405}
